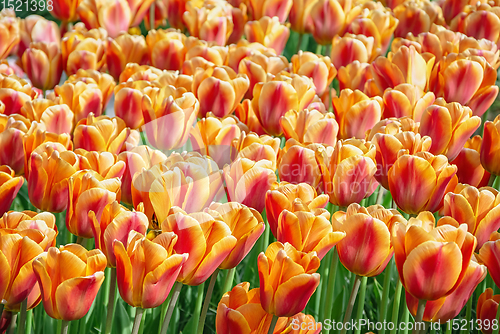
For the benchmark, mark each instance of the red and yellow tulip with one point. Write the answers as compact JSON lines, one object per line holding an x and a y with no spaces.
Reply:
{"x":310,"y":126}
{"x":490,"y":147}
{"x":487,"y":307}
{"x":269,"y":32}
{"x":125,"y":49}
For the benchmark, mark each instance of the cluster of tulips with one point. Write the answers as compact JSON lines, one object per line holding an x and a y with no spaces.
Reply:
{"x":218,"y":144}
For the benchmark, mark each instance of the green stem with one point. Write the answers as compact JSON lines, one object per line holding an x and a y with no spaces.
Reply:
{"x":111,"y":301}
{"x":143,"y":322}
{"x":327,"y":49}
{"x":64,"y":327}
{"x":273,"y":325}
{"x":29,"y":321}
{"x":152,"y":16}
{"x":352,"y":300}
{"x":318,"y":49}
{"x":80,"y":241}
{"x":206,"y":303}
{"x":495,"y":331}
{"x":163,"y":311}
{"x":198,"y":303}
{"x":13,"y":322}
{"x":331,"y":285}
{"x":22,"y":318}
{"x":361,"y":301}
{"x":320,"y":295}
{"x":385,"y":290}
{"x":265,"y":237}
{"x":299,"y":43}
{"x":1,"y":309}
{"x":468,"y":314}
{"x":419,"y":316}
{"x":491,"y":180}
{"x":406,"y":315}
{"x":448,"y":327}
{"x":137,"y":320}
{"x":380,"y":195}
{"x":395,"y":307}
{"x":176,"y":291}
{"x":228,"y":282}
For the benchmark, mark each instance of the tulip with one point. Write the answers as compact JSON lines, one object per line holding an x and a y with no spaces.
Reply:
{"x":11,"y":99}
{"x":13,"y":128}
{"x":307,"y":232}
{"x":246,"y":226}
{"x":419,"y":182}
{"x":447,"y":308}
{"x":135,"y":160}
{"x":245,"y":113}
{"x":105,"y":164}
{"x":273,"y":99}
{"x":240,"y":311}
{"x":212,"y":22}
{"x":125,"y":49}
{"x":419,"y":246}
{"x":393,"y":126}
{"x":328,"y":19}
{"x":349,"y":106}
{"x":478,"y":92}
{"x":213,"y":137}
{"x":299,"y":15}
{"x":269,"y":32}
{"x":88,"y":54}
{"x":172,"y":109}
{"x":366,"y":248}
{"x":9,"y":35}
{"x":234,"y":53}
{"x":406,"y":100}
{"x":286,"y":295}
{"x":166,"y":48}
{"x":88,"y":192}
{"x":298,"y":163}
{"x":488,"y":255}
{"x":417,"y":17}
{"x":207,"y":240}
{"x":43,"y":64}
{"x":44,"y":221}
{"x":81,"y":98}
{"x":9,"y":187}
{"x":189,"y":181}
{"x":349,"y":176}
{"x":14,"y":83}
{"x":219,"y":90}
{"x":65,"y":10}
{"x":104,"y":82}
{"x":257,"y":148}
{"x":487,"y":307}
{"x":271,"y":8}
{"x":69,"y":277}
{"x":468,"y":162}
{"x":146,"y":270}
{"x":55,"y":118}
{"x":490,"y":149}
{"x":246,"y":178}
{"x":354,"y":75}
{"x":113,"y":15}
{"x":351,"y":47}
{"x":319,"y":69}
{"x":388,"y":147}
{"x":175,"y":9}
{"x":17,"y":280}
{"x":480,"y":21}
{"x":128,"y":101}
{"x":49,"y":172}
{"x":310,"y":127}
{"x":104,"y":134}
{"x":283,"y":197}
{"x":209,"y":52}
{"x":159,"y":16}
{"x":35,"y":28}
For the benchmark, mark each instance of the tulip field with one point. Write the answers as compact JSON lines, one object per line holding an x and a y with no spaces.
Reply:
{"x":249,"y":166}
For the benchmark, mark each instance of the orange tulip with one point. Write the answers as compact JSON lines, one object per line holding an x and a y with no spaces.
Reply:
{"x":42,"y":63}
{"x":105,"y":164}
{"x":55,"y":118}
{"x":479,"y":21}
{"x":135,"y":160}
{"x":388,"y":147}
{"x":12,"y":130}
{"x":487,"y":307}
{"x":128,"y":101}
{"x":349,"y":176}
{"x":478,"y":92}
{"x":246,"y":226}
{"x":104,"y":134}
{"x":207,"y":240}
{"x":286,"y":295}
{"x":48,"y":178}
{"x":114,"y":16}
{"x":449,"y":125}
{"x":173,"y":109}
{"x":239,"y":311}
{"x":166,"y":48}
{"x":81,"y":98}
{"x":310,"y":127}
{"x":273,"y":99}
{"x":13,"y":94}
{"x":256,"y":148}
{"x":65,"y":10}
{"x":35,"y":28}
{"x":417,"y":17}
{"x":245,"y":113}
{"x":9,"y":35}
{"x":406,"y":100}
{"x":449,"y":307}
{"x":367,"y":247}
{"x":319,"y":69}
{"x":269,"y":32}
{"x":234,"y":53}
{"x":283,"y":197}
{"x":212,"y":22}
{"x":9,"y":187}
{"x":125,"y":49}
{"x":219,"y":90}
{"x":419,"y":246}
{"x":488,"y":255}
{"x":45,"y":222}
{"x":271,"y":8}
{"x":349,"y":48}
{"x":209,"y":52}
{"x":468,"y":162}
{"x":159,"y":18}
{"x":81,"y":52}
{"x":146,"y":270}
{"x":307,"y":232}
{"x":328,"y":19}
{"x":299,"y":15}
{"x":490,"y":149}
{"x":245,"y":179}
{"x":354,"y":75}
{"x":419,"y":182}
{"x":69,"y":277}
{"x":393,"y":126}
{"x":349,"y":107}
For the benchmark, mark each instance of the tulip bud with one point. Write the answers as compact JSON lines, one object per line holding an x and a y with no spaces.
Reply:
{"x":328,"y":18}
{"x":43,"y":64}
{"x":35,"y":28}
